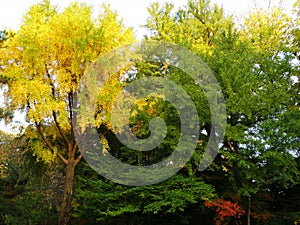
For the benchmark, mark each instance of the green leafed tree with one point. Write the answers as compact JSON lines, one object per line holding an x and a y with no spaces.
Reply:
{"x":254,"y":66}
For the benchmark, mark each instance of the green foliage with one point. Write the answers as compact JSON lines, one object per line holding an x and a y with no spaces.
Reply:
{"x":196,"y":26}
{"x":28,"y":190}
{"x":105,"y":201}
{"x":30,"y":208}
{"x":256,"y":66}
{"x":256,"y":69}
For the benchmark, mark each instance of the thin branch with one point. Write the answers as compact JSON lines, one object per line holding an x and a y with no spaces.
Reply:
{"x":62,"y":158}
{"x":75,"y":147}
{"x":53,"y":112}
{"x":38,"y":126}
{"x":59,"y":128}
{"x":79,"y":157}
{"x":230,"y":146}
{"x":77,"y":160}
{"x":70,"y":99}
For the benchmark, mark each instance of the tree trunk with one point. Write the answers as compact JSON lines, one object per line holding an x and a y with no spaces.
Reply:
{"x":66,"y":205}
{"x":249,"y":211}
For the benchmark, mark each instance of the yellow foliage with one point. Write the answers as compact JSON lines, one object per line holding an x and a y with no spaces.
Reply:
{"x":266,"y":29}
{"x":46,"y":58}
{"x":42,"y":153}
{"x":105,"y":144}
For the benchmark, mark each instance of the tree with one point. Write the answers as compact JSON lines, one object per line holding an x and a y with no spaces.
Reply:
{"x":5,"y":138}
{"x":44,"y":63}
{"x":225,"y":210}
{"x":295,"y":29}
{"x":254,"y":67}
{"x":28,"y":187}
{"x":168,"y":202}
{"x":195,"y":27}
{"x":4,"y":35}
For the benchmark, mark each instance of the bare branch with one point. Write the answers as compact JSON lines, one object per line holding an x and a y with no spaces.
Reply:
{"x":77,"y":160}
{"x":62,"y":158}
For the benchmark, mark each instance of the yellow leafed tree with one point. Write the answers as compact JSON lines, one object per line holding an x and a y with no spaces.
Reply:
{"x":44,"y":62}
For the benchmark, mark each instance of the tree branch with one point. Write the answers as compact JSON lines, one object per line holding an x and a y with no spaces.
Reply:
{"x":230,"y":146}
{"x":59,"y":128}
{"x":70,"y":99}
{"x":62,"y":158}
{"x":77,"y":160}
{"x":38,"y":126}
{"x":53,"y":112}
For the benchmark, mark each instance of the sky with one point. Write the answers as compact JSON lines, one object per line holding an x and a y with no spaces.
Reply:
{"x":133,"y":12}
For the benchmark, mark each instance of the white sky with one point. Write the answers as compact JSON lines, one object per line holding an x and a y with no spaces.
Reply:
{"x":134,"y":13}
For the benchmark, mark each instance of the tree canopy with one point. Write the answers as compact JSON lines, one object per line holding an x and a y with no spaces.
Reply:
{"x":43,"y":63}
{"x":255,"y":176}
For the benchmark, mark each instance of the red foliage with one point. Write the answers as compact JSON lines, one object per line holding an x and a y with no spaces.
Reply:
{"x":225,"y":210}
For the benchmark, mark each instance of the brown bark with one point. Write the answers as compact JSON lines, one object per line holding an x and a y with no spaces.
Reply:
{"x":70,"y":163}
{"x":249,"y":211}
{"x":66,"y":204}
